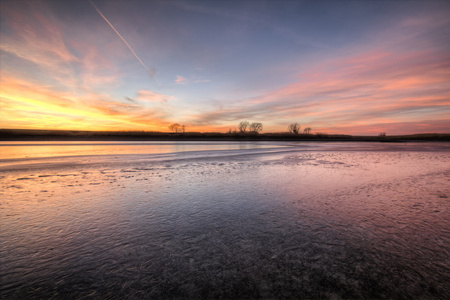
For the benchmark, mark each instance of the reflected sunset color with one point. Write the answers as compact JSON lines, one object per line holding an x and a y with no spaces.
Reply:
{"x":303,"y":220}
{"x":351,"y":67}
{"x":224,"y":149}
{"x":25,"y":150}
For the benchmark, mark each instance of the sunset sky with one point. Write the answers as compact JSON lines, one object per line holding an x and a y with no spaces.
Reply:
{"x":356,"y":67}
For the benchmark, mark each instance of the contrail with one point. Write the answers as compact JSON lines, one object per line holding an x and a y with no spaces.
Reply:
{"x":150,"y":71}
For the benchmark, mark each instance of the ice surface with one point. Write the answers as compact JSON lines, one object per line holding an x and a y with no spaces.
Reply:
{"x":225,"y":220}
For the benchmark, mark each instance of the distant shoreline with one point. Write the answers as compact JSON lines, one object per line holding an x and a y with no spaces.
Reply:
{"x":74,"y":135}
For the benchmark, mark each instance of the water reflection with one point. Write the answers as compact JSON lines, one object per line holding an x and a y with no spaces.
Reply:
{"x":14,"y":150}
{"x":328,"y":224}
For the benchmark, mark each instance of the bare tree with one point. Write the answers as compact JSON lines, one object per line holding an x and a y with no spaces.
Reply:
{"x":183,"y":128}
{"x":243,"y":126}
{"x":307,"y":130}
{"x":230,"y":131}
{"x":294,"y":128}
{"x":256,"y":127}
{"x":175,"y":127}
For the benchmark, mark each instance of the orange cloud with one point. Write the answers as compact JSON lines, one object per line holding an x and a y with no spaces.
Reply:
{"x":397,"y":77}
{"x":27,"y":105}
{"x":403,"y":86}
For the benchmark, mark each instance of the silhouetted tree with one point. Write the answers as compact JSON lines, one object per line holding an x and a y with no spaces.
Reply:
{"x":307,"y":130}
{"x":175,"y":127}
{"x":183,"y":128}
{"x":294,"y":128}
{"x":256,"y":127}
{"x":243,"y":126}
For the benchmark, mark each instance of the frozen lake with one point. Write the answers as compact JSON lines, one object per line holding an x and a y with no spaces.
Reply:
{"x":196,"y":220}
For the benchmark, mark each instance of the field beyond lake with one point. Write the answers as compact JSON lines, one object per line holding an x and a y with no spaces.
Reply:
{"x":224,"y":219}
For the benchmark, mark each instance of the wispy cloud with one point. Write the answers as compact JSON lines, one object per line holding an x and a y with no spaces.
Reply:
{"x":147,"y":95}
{"x":35,"y":37}
{"x":73,"y":72}
{"x":97,"y":70}
{"x":183,"y":80}
{"x":37,"y":41}
{"x":388,"y":83}
{"x":24,"y":104}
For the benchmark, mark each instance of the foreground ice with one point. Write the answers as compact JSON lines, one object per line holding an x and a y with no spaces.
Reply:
{"x":270,"y":220}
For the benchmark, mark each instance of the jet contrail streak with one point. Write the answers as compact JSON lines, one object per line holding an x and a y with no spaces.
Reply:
{"x":151,"y":72}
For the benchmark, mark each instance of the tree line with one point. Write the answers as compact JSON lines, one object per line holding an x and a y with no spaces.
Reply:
{"x":246,"y":127}
{"x":295,"y":129}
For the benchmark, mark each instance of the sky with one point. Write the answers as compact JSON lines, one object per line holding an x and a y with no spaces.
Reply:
{"x":348,"y":67}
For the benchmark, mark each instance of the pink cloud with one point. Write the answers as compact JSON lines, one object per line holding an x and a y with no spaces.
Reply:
{"x":357,"y":92}
{"x":65,"y":57}
{"x":181,"y":80}
{"x":146,"y":95}
{"x":37,"y":36}
{"x":96,"y":69}
{"x":400,"y":84}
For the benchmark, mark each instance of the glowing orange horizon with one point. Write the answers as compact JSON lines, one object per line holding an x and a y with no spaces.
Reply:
{"x":80,"y":76}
